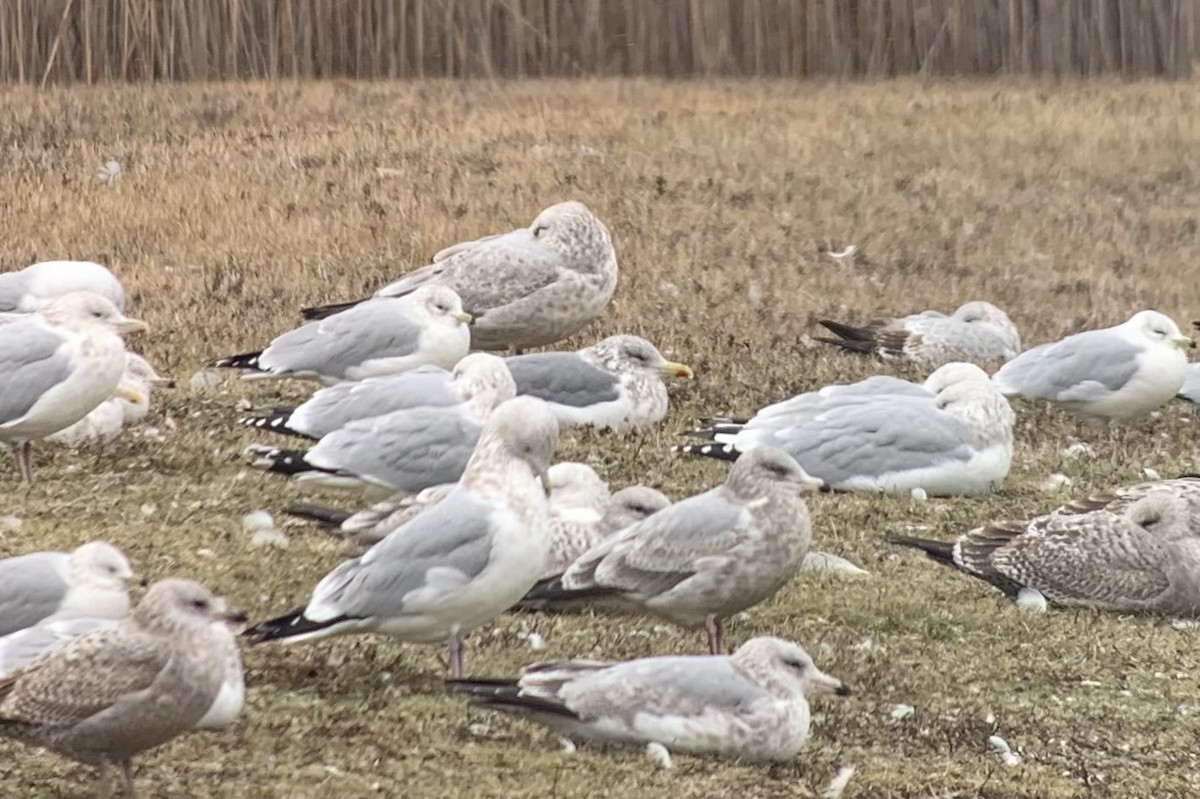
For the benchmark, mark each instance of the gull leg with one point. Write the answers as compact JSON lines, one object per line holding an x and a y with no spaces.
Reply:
{"x":456,"y":656}
{"x":21,"y":451}
{"x":716,"y":635}
{"x":127,"y":779}
{"x":103,"y":782}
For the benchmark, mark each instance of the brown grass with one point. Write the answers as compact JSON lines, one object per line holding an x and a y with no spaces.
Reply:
{"x":104,"y":40}
{"x":1070,"y":207}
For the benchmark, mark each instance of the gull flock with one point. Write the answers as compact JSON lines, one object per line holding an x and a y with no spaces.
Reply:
{"x":465,"y":514}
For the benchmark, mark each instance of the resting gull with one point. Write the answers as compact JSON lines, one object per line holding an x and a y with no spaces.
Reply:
{"x":1186,"y":488}
{"x":34,"y":287}
{"x":459,"y":564}
{"x":1143,"y":558}
{"x":528,"y":288}
{"x":93,"y":580}
{"x":128,"y":405}
{"x":976,"y":332}
{"x":379,"y":337}
{"x":1104,"y":375}
{"x":615,"y":384}
{"x":58,"y":364}
{"x":121,"y":690}
{"x":749,"y":706}
{"x":951,"y":435}
{"x":707,"y":557}
{"x":404,"y":451}
{"x":1191,"y":384}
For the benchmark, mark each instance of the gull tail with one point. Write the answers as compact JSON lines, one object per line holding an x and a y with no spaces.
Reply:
{"x":722,"y":452}
{"x":329,"y":518}
{"x":941,"y":551}
{"x":549,"y":596}
{"x":845,"y":332}
{"x":325,"y":311}
{"x":274,"y":419}
{"x":505,"y":694}
{"x":288,"y":462}
{"x":292,"y":627}
{"x":245,"y":360}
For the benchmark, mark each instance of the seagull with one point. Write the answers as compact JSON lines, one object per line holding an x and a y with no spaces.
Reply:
{"x":128,"y":405}
{"x":750,"y":706}
{"x":35,"y":287}
{"x":93,"y":580}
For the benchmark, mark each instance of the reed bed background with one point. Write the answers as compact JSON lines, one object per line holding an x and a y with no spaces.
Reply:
{"x":135,"y":40}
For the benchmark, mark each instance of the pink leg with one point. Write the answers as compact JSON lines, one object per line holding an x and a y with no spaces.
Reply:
{"x":457,"y":653}
{"x":716,"y":635}
{"x":22,"y":454}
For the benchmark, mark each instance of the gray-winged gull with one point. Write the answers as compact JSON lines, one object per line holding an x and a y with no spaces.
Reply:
{"x":93,"y":580}
{"x":1116,"y":373}
{"x":707,"y":557}
{"x":128,"y":405}
{"x":58,"y":364}
{"x":116,"y":692}
{"x":616,"y":384}
{"x":976,"y":332}
{"x":1190,"y":390}
{"x":528,"y":288}
{"x":951,"y":435}
{"x":458,"y":565}
{"x":1144,"y":558}
{"x":749,"y":706}
{"x":36,"y":286}
{"x":404,"y":451}
{"x":379,"y":337}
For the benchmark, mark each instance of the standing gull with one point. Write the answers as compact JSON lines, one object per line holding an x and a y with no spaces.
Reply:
{"x":58,"y":365}
{"x":749,"y":706}
{"x":93,"y":580}
{"x":1104,"y":375}
{"x":616,"y":384}
{"x":976,"y":332}
{"x":114,"y":693}
{"x":528,"y":288}
{"x":707,"y":557}
{"x":458,"y":565}
{"x":951,"y":435}
{"x":1144,"y":558}
{"x":35,"y":287}
{"x":378,"y":337}
{"x":128,"y":405}
{"x":404,"y":451}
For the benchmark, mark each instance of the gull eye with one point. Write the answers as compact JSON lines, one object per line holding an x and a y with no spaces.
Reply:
{"x":539,"y":230}
{"x":200,"y":604}
{"x":798,"y":665}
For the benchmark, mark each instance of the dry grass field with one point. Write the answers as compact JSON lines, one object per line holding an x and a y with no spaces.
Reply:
{"x":1070,"y":206}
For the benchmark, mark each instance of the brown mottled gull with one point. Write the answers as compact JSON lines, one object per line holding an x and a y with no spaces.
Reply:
{"x":707,"y":557}
{"x":379,"y":337}
{"x":748,"y":706}
{"x":1187,"y":488}
{"x":977,"y":332}
{"x":459,"y":564}
{"x":1143,"y":558}
{"x":528,"y":288}
{"x":58,"y":364}
{"x":951,"y":435}
{"x":114,"y":693}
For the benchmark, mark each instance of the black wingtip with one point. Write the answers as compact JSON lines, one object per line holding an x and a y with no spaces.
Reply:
{"x":287,"y":462}
{"x":843,"y":690}
{"x":721,"y":452}
{"x":844,"y":331}
{"x":326,"y":517}
{"x":849,"y":345}
{"x":244,"y":360}
{"x":942,"y":551}
{"x":551,"y":589}
{"x":325,"y":311}
{"x":289,"y":625}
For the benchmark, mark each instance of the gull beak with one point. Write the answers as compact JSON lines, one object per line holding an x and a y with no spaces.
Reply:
{"x":544,"y":476}
{"x":130,"y":394}
{"x":164,"y":382}
{"x":672,"y":369}
{"x":234,"y":616}
{"x":810,"y":484}
{"x":822,"y":683}
{"x":138,"y":580}
{"x":1184,"y":342}
{"x":126,"y":325}
{"x":464,"y":317}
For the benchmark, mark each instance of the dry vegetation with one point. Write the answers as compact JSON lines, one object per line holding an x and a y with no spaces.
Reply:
{"x":1070,"y":206}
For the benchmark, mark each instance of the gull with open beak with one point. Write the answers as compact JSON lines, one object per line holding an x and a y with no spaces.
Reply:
{"x":59,"y":364}
{"x":456,"y":566}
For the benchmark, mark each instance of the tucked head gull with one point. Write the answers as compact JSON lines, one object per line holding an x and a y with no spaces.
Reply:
{"x":35,"y":287}
{"x":950,"y":436}
{"x":749,"y":706}
{"x":457,"y":565}
{"x":1104,"y":375}
{"x":128,"y":405}
{"x":707,"y":557}
{"x":116,"y":692}
{"x":59,"y":364}
{"x":380,"y":337}
{"x":528,"y":288}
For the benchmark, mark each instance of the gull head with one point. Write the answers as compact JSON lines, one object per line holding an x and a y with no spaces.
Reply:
{"x":526,"y":429}
{"x":138,"y":370}
{"x":787,"y":665}
{"x":956,"y":374}
{"x":572,"y":229}
{"x":978,"y":312}
{"x":763,"y":467}
{"x":441,"y":304}
{"x":632,"y":504}
{"x":85,"y":307}
{"x":577,"y":485}
{"x":175,"y":605}
{"x":484,"y":379}
{"x":635,"y":354}
{"x":1159,"y":329}
{"x":1161,"y":513}
{"x":101,"y":565}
